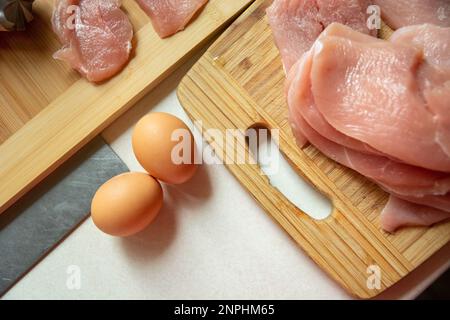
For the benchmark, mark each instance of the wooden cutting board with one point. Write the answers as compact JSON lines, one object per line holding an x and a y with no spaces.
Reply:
{"x":47,"y":111}
{"x":238,"y":84}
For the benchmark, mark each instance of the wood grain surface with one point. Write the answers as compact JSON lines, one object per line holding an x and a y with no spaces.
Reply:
{"x":47,"y":111}
{"x":239,"y":83}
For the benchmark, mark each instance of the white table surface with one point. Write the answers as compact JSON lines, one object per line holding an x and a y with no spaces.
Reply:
{"x":211,"y":241}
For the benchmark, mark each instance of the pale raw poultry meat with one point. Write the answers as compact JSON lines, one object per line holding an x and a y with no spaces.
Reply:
{"x":395,"y":177}
{"x":301,"y":100}
{"x":412,"y":188}
{"x":414,"y":184}
{"x":96,"y":36}
{"x":374,"y":84}
{"x":296,"y":24}
{"x":441,"y":203}
{"x":170,"y":16}
{"x":401,"y":13}
{"x":371,"y":92}
{"x":434,"y":74}
{"x":400,"y":213}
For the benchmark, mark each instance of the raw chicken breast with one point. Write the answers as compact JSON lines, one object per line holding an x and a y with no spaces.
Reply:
{"x":371,"y":164}
{"x":430,"y":39}
{"x":301,"y":100}
{"x":416,"y":191}
{"x":395,"y":177}
{"x":96,"y":36}
{"x":370,"y":92}
{"x":296,"y":24}
{"x":400,"y":13}
{"x":437,"y":202}
{"x":434,"y":74}
{"x":412,"y":184}
{"x":399,"y":213}
{"x":170,"y":16}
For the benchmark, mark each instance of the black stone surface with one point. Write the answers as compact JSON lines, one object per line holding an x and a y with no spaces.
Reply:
{"x":49,"y":212}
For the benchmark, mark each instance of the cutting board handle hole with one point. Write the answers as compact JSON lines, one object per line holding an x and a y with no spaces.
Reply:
{"x":263,"y":146}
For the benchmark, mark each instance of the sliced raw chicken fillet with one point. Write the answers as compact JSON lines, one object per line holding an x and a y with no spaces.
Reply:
{"x":369,"y":92}
{"x":433,"y":42}
{"x":412,"y":184}
{"x":96,"y":36}
{"x":170,"y":16}
{"x":431,"y":39}
{"x":381,"y":109}
{"x":434,"y":74}
{"x":395,"y":177}
{"x":400,"y":213}
{"x":400,"y":13}
{"x":300,"y":99}
{"x":433,"y":201}
{"x":296,"y":24}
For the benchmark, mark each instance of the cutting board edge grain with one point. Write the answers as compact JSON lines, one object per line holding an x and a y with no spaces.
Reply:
{"x":84,"y":109}
{"x":347,"y":244}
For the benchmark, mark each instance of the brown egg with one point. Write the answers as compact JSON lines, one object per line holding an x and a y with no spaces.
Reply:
{"x":126,"y":204}
{"x":157,"y":140}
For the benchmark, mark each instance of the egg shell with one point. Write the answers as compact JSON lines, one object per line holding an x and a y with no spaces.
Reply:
{"x":153,"y":144}
{"x":126,"y":204}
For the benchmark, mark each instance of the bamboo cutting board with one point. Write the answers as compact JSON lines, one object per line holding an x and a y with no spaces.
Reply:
{"x":47,"y":111}
{"x":239,"y":83}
